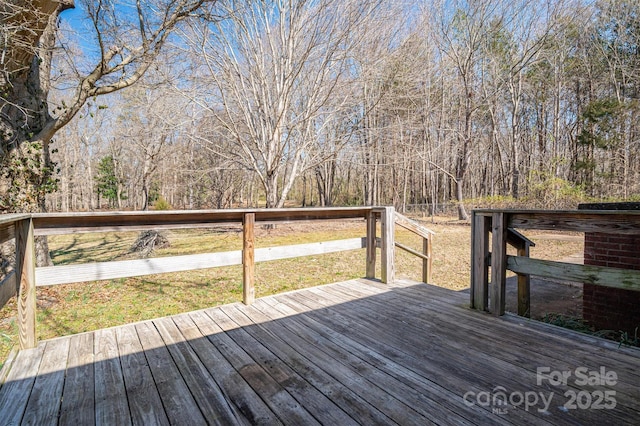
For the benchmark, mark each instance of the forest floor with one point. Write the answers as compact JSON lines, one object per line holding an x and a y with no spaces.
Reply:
{"x":74,"y":308}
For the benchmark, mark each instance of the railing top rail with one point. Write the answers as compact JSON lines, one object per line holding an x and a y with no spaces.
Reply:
{"x":606,"y":221}
{"x":13,"y":217}
{"x":54,"y":223}
{"x":518,"y":240}
{"x":413,"y":226}
{"x":581,"y":212}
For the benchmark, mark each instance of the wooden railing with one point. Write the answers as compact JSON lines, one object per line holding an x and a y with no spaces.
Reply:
{"x":501,"y":224}
{"x":427,"y":250}
{"x":26,"y":277}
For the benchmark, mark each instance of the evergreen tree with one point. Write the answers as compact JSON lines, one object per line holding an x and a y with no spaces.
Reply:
{"x":107,"y":182}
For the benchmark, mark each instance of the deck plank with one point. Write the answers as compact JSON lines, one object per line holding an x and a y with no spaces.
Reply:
{"x":285,"y":407}
{"x":235,"y":388}
{"x":144,"y":400}
{"x":111,"y":402}
{"x":546,"y":351}
{"x":14,"y":394}
{"x":422,"y":394}
{"x":315,"y":372}
{"x":178,"y":403}
{"x":357,"y":352}
{"x":391,"y":342}
{"x":273,"y":357}
{"x":78,"y":404}
{"x":206,"y":392}
{"x":506,"y":372}
{"x":44,"y":402}
{"x":504,"y":357}
{"x":450,"y":366}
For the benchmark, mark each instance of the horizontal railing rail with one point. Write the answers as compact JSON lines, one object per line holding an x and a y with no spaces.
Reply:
{"x":500,"y":225}
{"x":67,"y":274}
{"x":26,"y":277}
{"x":427,"y":251}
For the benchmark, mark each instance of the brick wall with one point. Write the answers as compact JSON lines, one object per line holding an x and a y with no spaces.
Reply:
{"x":610,"y":308}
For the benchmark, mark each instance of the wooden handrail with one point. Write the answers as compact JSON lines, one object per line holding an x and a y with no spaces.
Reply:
{"x":522,"y":245}
{"x":413,"y":226}
{"x":24,"y":227}
{"x":501,"y":224}
{"x":427,"y":250}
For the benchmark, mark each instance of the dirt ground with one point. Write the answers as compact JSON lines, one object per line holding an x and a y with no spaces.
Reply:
{"x":548,"y":297}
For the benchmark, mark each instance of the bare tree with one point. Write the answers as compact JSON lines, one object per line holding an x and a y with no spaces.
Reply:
{"x":274,"y":65}
{"x":125,"y":45}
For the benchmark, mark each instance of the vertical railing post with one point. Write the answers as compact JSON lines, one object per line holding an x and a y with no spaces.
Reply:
{"x":371,"y":244}
{"x":480,"y":227}
{"x":387,"y":224}
{"x":26,"y":283}
{"x":498,"y":262}
{"x":427,"y":263}
{"x":248,"y":258}
{"x":524,"y":286}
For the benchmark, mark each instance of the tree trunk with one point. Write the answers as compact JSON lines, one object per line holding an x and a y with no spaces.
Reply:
{"x":271,"y":190}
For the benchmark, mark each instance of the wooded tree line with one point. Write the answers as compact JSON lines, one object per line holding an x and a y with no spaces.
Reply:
{"x":344,"y":102}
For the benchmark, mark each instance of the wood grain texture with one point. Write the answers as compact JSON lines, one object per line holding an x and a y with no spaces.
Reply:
{"x":387,"y":252}
{"x":111,"y":405}
{"x":178,"y":402}
{"x":205,"y":390}
{"x":54,"y":275}
{"x":358,"y":352}
{"x":310,"y":249}
{"x":78,"y":403}
{"x":46,"y":394}
{"x":498,"y":263}
{"x":26,"y":281}
{"x":626,"y":279}
{"x":248,"y":259}
{"x":66,"y":274}
{"x":56,"y":223}
{"x":413,"y":226}
{"x":524,"y":286}
{"x":427,"y":263}
{"x":283,"y":405}
{"x":412,"y":251}
{"x":15,"y":391}
{"x":7,"y":231}
{"x":144,"y":402}
{"x":371,"y":245}
{"x":518,"y":240}
{"x":7,"y":288}
{"x":616,"y":222}
{"x":480,"y":227}
{"x":242,"y":398}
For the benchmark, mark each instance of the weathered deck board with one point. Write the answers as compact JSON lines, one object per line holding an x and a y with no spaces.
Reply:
{"x":110,"y":392}
{"x":144,"y":400}
{"x":78,"y":404}
{"x":18,"y":384}
{"x":177,"y":400}
{"x":44,"y":402}
{"x":358,"y":352}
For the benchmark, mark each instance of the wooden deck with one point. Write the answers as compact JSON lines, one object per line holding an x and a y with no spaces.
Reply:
{"x":357,"y":352}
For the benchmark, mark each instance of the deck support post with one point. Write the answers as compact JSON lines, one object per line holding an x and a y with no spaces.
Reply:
{"x":524,"y":287}
{"x":427,"y":264}
{"x":26,"y":283}
{"x":498,"y":262}
{"x":248,"y":258}
{"x":387,"y":224}
{"x":480,"y":227}
{"x":371,"y":244}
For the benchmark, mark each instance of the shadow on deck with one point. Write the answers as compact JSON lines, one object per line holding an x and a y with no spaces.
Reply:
{"x":357,"y":352}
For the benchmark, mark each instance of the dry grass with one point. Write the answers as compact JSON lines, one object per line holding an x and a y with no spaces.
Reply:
{"x":75,"y":308}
